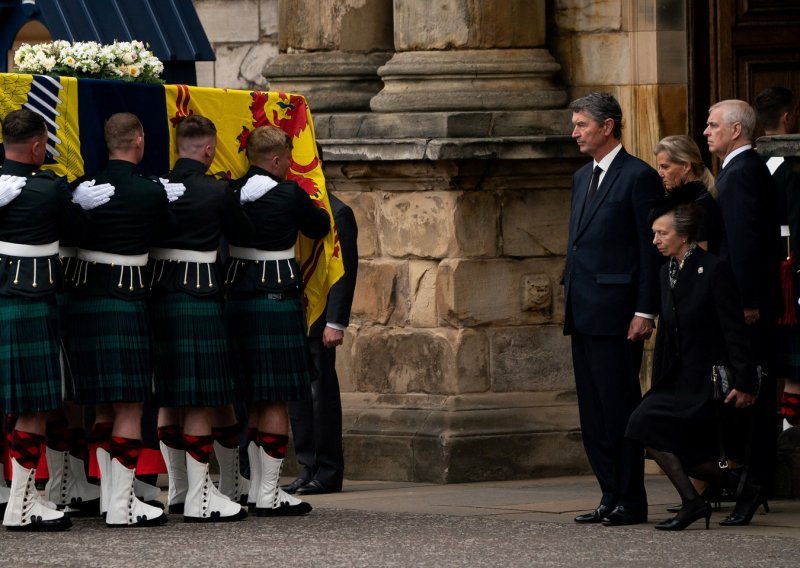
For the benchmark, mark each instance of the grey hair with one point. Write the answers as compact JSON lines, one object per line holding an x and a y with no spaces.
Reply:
{"x":735,"y":110}
{"x":600,"y":106}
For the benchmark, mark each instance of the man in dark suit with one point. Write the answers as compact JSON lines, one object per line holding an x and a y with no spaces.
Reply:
{"x":317,"y":424}
{"x":748,"y":203}
{"x":611,"y":297}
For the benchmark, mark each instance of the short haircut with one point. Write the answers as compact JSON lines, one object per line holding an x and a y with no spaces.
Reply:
{"x":733,"y":111}
{"x":195,"y":126}
{"x":770,"y":104}
{"x":121,"y":129}
{"x":600,"y":106}
{"x":267,"y":140}
{"x":21,"y":126}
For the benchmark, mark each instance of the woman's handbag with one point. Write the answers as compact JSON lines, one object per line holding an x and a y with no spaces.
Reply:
{"x":721,"y":382}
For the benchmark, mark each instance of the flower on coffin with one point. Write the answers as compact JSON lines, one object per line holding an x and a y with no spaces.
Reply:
{"x":125,"y":61}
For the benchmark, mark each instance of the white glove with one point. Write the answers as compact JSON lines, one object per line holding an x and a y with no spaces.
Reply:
{"x":10,"y":188}
{"x":256,"y":187}
{"x":88,"y":195}
{"x":174,"y":190}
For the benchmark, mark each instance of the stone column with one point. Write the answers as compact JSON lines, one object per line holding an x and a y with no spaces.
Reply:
{"x":455,"y":367}
{"x":330,"y":51}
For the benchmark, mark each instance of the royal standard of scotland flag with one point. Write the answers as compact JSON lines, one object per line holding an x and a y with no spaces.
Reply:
{"x":75,"y":110}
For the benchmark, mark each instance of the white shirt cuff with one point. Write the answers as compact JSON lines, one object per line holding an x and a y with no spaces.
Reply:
{"x":336,"y":326}
{"x":640,"y":314}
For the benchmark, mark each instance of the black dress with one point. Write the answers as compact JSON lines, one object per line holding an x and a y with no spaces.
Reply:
{"x":712,"y":229}
{"x":702,"y":324}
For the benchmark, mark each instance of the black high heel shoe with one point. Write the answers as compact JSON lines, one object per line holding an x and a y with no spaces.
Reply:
{"x":712,"y":495}
{"x":689,"y":513}
{"x":747,"y":505}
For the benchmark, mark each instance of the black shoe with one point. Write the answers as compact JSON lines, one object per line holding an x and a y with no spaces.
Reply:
{"x":624,"y":515}
{"x":595,"y":516}
{"x":747,"y":505}
{"x":688,"y":514}
{"x":292,"y":487}
{"x":316,"y":487}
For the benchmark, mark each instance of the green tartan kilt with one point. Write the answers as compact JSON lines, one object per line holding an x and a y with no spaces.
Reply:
{"x":30,"y":369}
{"x":192,"y":351}
{"x":271,"y":357}
{"x":110,"y":351}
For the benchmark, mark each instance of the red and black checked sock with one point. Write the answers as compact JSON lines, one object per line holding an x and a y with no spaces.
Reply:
{"x":26,"y":448}
{"x":226,"y":436}
{"x":77,"y":443}
{"x":790,"y":407}
{"x":199,"y":447}
{"x":57,"y":435}
{"x":171,"y":436}
{"x":125,"y":450}
{"x":100,"y":436}
{"x":274,"y":444}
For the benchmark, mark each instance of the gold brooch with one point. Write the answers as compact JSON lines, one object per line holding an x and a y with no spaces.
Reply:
{"x":700,"y":270}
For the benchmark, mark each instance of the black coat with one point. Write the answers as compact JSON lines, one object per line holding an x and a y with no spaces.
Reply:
{"x":701,"y":325}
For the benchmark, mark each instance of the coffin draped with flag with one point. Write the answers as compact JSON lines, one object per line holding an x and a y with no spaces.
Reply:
{"x":75,"y":110}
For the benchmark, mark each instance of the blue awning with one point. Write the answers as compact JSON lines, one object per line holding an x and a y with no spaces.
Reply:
{"x":171,"y":27}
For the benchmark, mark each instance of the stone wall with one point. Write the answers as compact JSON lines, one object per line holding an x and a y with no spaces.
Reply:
{"x":244,"y":35}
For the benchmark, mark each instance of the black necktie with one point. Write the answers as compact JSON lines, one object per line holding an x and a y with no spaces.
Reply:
{"x":593,"y":184}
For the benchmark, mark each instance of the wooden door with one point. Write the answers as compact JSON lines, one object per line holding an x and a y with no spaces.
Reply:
{"x":740,"y":47}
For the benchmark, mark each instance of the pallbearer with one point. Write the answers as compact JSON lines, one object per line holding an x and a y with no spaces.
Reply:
{"x":193,"y":375}
{"x":264,"y":313}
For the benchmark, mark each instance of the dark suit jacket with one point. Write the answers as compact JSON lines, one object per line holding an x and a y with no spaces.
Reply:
{"x":748,"y":201}
{"x":340,"y":297}
{"x":612,"y":266}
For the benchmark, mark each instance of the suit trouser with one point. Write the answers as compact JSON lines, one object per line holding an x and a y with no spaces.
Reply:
{"x":607,"y":383}
{"x":317,"y":424}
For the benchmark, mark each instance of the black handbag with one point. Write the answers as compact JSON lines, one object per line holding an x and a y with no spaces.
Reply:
{"x":721,"y":382}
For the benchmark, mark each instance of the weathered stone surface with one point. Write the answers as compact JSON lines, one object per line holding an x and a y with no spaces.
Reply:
{"x":238,"y":66}
{"x":269,"y":18}
{"x":253,"y":63}
{"x":530,"y":358}
{"x":374,"y":299}
{"x":422,"y":293}
{"x":330,"y":80}
{"x":229,"y":20}
{"x":468,"y":24}
{"x":588,"y":15}
{"x":784,"y":145}
{"x":346,"y":25}
{"x":480,"y":292}
{"x":584,"y":58}
{"x":364,"y":209}
{"x":507,"y":79}
{"x":345,"y":360}
{"x":535,"y":223}
{"x":205,"y":73}
{"x":438,"y":225}
{"x":436,"y":361}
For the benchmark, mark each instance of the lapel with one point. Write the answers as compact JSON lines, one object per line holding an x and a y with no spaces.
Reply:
{"x":609,"y":179}
{"x":581,"y":187}
{"x":724,"y":171}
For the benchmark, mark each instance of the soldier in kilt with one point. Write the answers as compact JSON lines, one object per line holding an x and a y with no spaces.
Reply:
{"x":193,"y":376}
{"x":107,"y":318}
{"x":30,"y":275}
{"x":265,"y":316}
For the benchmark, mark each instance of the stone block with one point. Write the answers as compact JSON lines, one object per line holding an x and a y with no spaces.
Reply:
{"x":363,"y":206}
{"x":530,"y":358}
{"x":379,"y":457}
{"x":588,"y":15}
{"x":269,"y":18}
{"x":205,"y":73}
{"x":229,"y":20}
{"x":252,"y":64}
{"x":434,"y":361}
{"x":481,"y":292}
{"x":239,"y":66}
{"x":375,"y":299}
{"x":584,"y":59}
{"x":422,"y":293}
{"x":325,"y":25}
{"x":345,"y":360}
{"x":438,"y":225}
{"x":535,"y":223}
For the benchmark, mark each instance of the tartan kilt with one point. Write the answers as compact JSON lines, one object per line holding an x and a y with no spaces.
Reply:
{"x":30,"y":370}
{"x":271,"y":357}
{"x":110,"y":350}
{"x":192,"y":351}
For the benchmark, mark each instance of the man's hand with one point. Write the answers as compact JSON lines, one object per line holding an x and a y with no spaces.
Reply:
{"x":640,"y":328}
{"x":751,"y":315}
{"x":332,"y":337}
{"x":740,"y":399}
{"x":255,"y":188}
{"x":88,"y":195}
{"x":10,"y":188}
{"x":174,"y":190}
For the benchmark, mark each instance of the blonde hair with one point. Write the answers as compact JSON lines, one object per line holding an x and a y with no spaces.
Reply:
{"x":681,"y":149}
{"x":265,"y":141}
